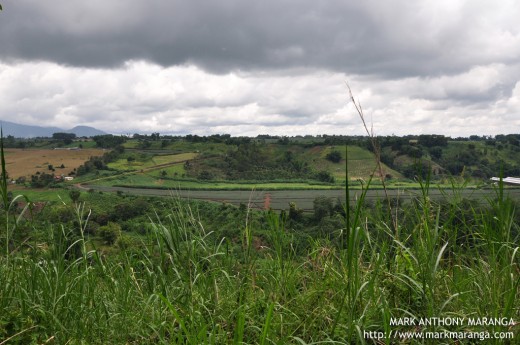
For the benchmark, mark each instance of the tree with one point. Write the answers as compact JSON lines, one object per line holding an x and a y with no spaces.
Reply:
{"x":41,"y":180}
{"x":323,"y":207}
{"x":325,"y":176}
{"x":294,"y":212}
{"x":334,"y":156}
{"x":432,"y":140}
{"x":66,"y":137}
{"x":205,"y":175}
{"x":110,"y":232}
{"x":108,"y":140}
{"x":436,"y":152}
{"x":74,"y":195}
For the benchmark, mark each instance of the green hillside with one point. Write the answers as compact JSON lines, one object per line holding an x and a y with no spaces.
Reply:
{"x":236,"y":163}
{"x":222,"y":161}
{"x":475,"y":159}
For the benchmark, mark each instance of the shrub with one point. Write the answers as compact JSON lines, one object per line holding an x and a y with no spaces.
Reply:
{"x":334,"y":156}
{"x":325,"y":176}
{"x":110,"y":233}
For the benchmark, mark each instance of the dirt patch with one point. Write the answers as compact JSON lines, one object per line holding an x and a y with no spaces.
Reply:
{"x":20,"y":162}
{"x":316,"y":150}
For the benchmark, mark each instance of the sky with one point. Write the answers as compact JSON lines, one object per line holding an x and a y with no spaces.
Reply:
{"x":278,"y":67}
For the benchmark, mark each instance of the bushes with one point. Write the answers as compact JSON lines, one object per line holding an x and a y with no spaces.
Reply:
{"x":325,"y":176}
{"x":334,"y":156}
{"x":182,"y":283}
{"x":110,"y":233}
{"x":41,"y":180}
{"x":131,"y":209}
{"x":322,"y":206}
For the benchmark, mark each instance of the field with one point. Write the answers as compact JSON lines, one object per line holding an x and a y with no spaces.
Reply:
{"x":100,"y":267}
{"x":156,"y":161}
{"x":263,"y":281}
{"x":361,"y":163}
{"x":278,"y":197}
{"x":20,"y":162}
{"x":156,"y":168}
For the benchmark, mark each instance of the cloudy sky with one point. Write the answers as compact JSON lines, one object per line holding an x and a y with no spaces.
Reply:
{"x":262,"y":67}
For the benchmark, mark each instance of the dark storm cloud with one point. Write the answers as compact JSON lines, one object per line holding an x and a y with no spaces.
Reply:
{"x":250,"y":67}
{"x":393,"y":39}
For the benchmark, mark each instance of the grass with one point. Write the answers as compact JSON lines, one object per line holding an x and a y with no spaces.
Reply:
{"x":168,"y":163}
{"x":54,"y":194}
{"x":169,"y":159}
{"x":185,"y":285}
{"x":360,"y":162}
{"x":182,"y":284}
{"x":153,"y":180}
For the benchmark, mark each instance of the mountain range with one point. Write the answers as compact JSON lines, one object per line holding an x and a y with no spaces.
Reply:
{"x":27,"y":131}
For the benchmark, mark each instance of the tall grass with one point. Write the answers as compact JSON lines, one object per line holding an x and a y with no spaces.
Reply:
{"x":185,"y":285}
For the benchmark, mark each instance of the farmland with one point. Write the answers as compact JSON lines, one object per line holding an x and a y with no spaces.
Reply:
{"x":217,"y":166}
{"x":27,"y":162}
{"x":115,"y":263}
{"x":279,"y":199}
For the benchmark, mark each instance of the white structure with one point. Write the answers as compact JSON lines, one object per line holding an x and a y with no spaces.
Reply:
{"x":507,"y":180}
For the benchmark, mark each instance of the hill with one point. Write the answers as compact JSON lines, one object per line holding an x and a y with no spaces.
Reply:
{"x":85,"y":131}
{"x":478,"y":157}
{"x":28,"y":131}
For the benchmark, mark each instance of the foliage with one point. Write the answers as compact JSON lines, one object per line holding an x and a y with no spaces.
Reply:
{"x":66,"y":138}
{"x":325,"y":176}
{"x":205,"y":175}
{"x":110,"y":233}
{"x":323,"y":207}
{"x":108,"y":141}
{"x":74,"y":195}
{"x":42,"y":180}
{"x":190,"y":278}
{"x":97,"y":163}
{"x":432,"y":140}
{"x":334,"y":156}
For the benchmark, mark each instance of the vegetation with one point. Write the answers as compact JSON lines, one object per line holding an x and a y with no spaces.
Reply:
{"x":66,"y":138}
{"x":130,"y":270}
{"x":185,"y":161}
{"x":334,"y":156}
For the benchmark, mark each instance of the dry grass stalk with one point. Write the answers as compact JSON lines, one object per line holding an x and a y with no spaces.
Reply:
{"x":377,"y":155}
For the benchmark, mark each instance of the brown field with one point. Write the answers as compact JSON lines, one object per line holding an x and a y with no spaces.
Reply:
{"x":20,"y":162}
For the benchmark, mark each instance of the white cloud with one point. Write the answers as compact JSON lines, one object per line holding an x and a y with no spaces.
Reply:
{"x":144,"y":97}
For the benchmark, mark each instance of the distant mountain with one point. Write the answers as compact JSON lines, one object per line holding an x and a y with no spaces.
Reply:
{"x":26,"y":131}
{"x":85,"y":131}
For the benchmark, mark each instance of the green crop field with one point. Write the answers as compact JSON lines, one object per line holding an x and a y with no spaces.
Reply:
{"x":149,"y":162}
{"x":169,"y":159}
